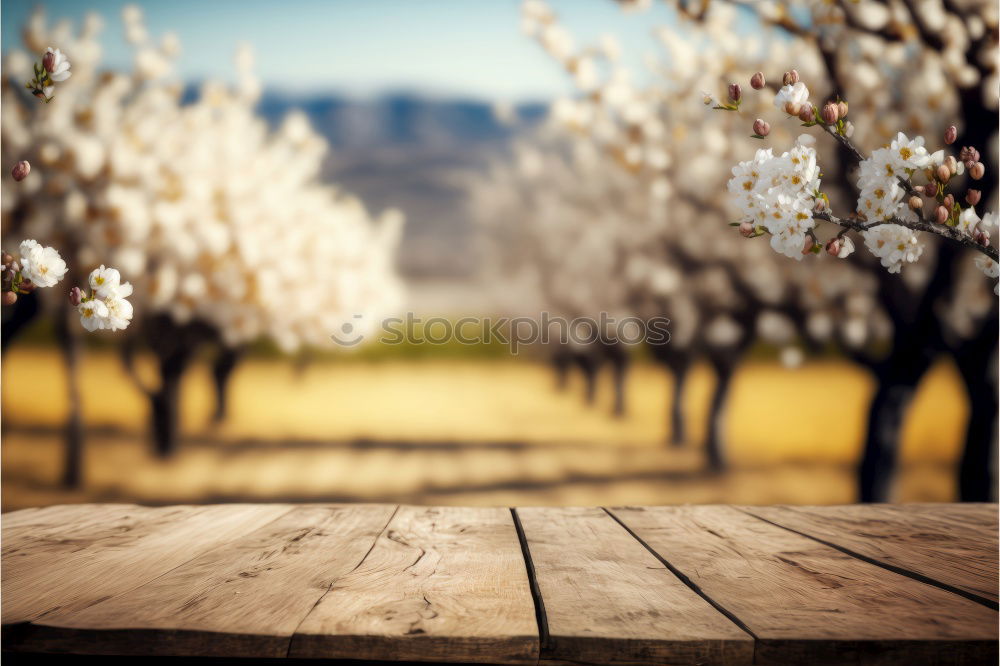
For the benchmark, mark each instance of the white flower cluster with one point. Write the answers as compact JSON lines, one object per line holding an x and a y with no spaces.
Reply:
{"x":893,"y":244}
{"x":42,"y":265}
{"x":108,"y":307}
{"x":778,"y":193}
{"x":882,"y":194}
{"x":212,"y":214}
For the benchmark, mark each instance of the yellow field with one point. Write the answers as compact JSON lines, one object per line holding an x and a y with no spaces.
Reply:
{"x":464,"y":432}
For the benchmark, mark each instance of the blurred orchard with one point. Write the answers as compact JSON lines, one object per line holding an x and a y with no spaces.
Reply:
{"x":806,"y":190}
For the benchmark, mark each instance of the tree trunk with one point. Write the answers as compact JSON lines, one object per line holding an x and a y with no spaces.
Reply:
{"x":619,"y":369}
{"x":561,"y":361}
{"x":19,"y":315}
{"x":678,"y":433}
{"x":69,"y":343}
{"x":714,"y":444}
{"x":885,"y":420}
{"x":588,"y":366}
{"x":976,"y":361}
{"x":165,"y":405}
{"x":222,"y":371}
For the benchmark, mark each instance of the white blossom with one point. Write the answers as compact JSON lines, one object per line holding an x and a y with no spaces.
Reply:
{"x":104,"y":281}
{"x":92,"y":314}
{"x":42,"y":265}
{"x":59,"y":70}
{"x":893,"y":244}
{"x":794,"y":95}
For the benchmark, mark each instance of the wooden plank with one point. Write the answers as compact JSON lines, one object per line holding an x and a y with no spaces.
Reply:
{"x":242,"y":599}
{"x":105,"y":552}
{"x":608,"y":600}
{"x":807,"y":602}
{"x":442,"y":584}
{"x":955,"y":545}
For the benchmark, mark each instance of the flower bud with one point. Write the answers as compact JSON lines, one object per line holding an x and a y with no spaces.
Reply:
{"x":49,"y":61}
{"x":952,"y":164}
{"x":792,"y":109}
{"x":757,"y":81}
{"x":949,"y":202}
{"x":9,"y":298}
{"x":950,"y":135}
{"x":916,"y":203}
{"x":6,"y":258}
{"x":747,"y":228}
{"x":968,"y":154}
{"x":972,"y":197}
{"x":790,"y":78}
{"x":761,"y":127}
{"x":20,"y":171}
{"x":806,"y":114}
{"x":943,"y":173}
{"x":833,"y":246}
{"x":807,"y":246}
{"x":977,"y":170}
{"x":842,"y":109}
{"x":735,"y":92}
{"x":981,"y":237}
{"x":941,"y":214}
{"x":830,"y":113}
{"x":930,"y":189}
{"x":75,"y":296}
{"x":27,"y":286}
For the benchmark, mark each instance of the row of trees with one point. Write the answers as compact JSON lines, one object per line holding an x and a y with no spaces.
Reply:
{"x":221,"y":222}
{"x":643,"y":166}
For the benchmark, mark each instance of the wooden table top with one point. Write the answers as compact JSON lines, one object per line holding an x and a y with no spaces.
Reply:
{"x":899,"y":584}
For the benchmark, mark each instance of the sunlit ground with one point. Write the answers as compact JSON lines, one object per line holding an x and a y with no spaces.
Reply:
{"x":464,"y":432}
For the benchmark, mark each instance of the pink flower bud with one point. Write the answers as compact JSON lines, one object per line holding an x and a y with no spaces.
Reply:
{"x":952,"y":164}
{"x":806,"y":114}
{"x":977,"y":171}
{"x":930,"y":189}
{"x":950,"y":135}
{"x":757,"y":81}
{"x":968,"y":154}
{"x":807,"y":245}
{"x":943,"y":173}
{"x":735,"y":92}
{"x":842,"y":109}
{"x":49,"y":61}
{"x":981,"y":237}
{"x":792,"y":109}
{"x":9,"y":298}
{"x":972,"y":197}
{"x":761,"y":127}
{"x":6,"y":258}
{"x":75,"y":296}
{"x":941,"y":214}
{"x":830,"y":113}
{"x":916,"y":203}
{"x":833,"y":247}
{"x":21,"y":170}
{"x":949,"y":202}
{"x":790,"y":78}
{"x":747,"y":229}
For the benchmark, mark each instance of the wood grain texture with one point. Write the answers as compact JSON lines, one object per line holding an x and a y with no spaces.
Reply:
{"x":809,"y":603}
{"x":441,"y":584}
{"x":608,"y":600}
{"x":96,"y":553}
{"x":956,"y":545}
{"x":244,"y":597}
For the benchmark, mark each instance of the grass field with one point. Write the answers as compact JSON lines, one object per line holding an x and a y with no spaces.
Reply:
{"x":464,"y":432}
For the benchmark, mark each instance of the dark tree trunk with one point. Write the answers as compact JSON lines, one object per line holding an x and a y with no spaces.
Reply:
{"x":619,"y":369}
{"x":976,"y":361}
{"x":19,"y":315}
{"x":222,"y":370}
{"x":561,"y":361}
{"x":678,"y":431}
{"x":885,"y":420}
{"x":69,"y":342}
{"x":588,"y":366}
{"x":714,"y":442}
{"x":174,"y":346}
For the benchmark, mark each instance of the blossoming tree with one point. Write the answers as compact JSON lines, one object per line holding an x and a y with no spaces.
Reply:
{"x":220,"y":222}
{"x":850,"y":49}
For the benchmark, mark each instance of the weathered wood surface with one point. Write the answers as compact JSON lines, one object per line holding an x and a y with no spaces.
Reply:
{"x":807,"y":602}
{"x":608,"y":599}
{"x":956,"y":545}
{"x":711,"y":584}
{"x":441,"y":584}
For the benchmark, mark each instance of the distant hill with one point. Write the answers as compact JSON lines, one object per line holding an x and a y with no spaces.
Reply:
{"x":405,"y":150}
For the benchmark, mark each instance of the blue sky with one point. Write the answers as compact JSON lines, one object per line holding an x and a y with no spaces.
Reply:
{"x":437,"y":47}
